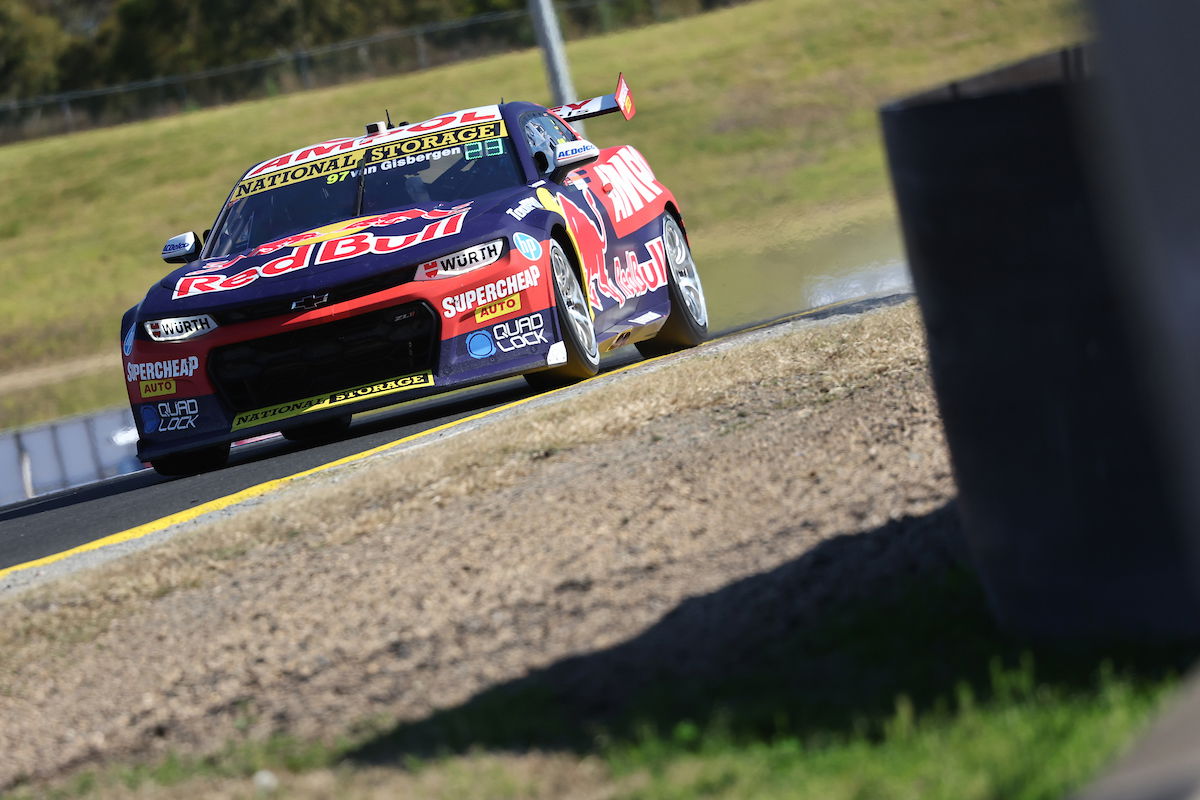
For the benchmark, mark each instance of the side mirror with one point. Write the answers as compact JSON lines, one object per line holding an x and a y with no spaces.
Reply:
{"x":569,"y":155}
{"x":182,"y":248}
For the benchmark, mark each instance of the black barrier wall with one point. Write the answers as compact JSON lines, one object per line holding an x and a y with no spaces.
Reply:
{"x":1061,"y":478}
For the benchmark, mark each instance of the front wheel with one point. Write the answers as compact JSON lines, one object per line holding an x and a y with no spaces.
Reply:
{"x":687,"y":326}
{"x":192,"y":462}
{"x":575,"y":321}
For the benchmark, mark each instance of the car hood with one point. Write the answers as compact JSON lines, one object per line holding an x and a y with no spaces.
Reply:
{"x":314,"y":261}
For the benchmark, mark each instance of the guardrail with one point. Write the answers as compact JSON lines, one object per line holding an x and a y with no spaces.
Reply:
{"x":64,"y":453}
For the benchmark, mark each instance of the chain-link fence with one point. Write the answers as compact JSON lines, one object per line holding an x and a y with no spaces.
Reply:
{"x":405,"y":50}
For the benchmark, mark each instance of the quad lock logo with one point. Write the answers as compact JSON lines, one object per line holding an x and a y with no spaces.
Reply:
{"x":507,"y":336}
{"x":180,"y":415}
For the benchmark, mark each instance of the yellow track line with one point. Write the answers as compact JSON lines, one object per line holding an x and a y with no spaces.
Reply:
{"x":260,"y":489}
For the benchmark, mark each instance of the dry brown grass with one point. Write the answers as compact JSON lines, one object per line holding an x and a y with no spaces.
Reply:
{"x":409,"y":582}
{"x":832,"y":358}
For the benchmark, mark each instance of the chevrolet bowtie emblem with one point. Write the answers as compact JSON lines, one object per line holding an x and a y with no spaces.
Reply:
{"x":310,"y":302}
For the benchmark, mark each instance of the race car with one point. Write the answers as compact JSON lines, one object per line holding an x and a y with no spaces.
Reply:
{"x":418,"y":258}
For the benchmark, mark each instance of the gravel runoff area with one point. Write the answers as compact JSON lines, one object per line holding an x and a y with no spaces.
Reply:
{"x":413,"y":581}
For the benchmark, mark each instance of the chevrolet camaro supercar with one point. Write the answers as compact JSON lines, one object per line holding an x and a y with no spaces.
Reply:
{"x":416,"y":259}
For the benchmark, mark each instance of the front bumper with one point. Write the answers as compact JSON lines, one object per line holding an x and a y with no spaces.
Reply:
{"x":398,"y":344}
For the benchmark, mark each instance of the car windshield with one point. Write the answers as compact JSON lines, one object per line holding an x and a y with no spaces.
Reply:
{"x":269,"y":213}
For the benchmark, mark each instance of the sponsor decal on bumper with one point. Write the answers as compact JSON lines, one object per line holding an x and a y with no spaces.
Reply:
{"x":499,"y":308}
{"x":158,"y":370}
{"x":182,"y":415}
{"x":320,"y":402}
{"x":161,"y":388}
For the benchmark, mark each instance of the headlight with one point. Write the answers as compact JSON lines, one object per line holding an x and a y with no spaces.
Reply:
{"x":463,"y":261}
{"x":175,"y":329}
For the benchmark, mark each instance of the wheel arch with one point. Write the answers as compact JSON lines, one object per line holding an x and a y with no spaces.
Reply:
{"x":670,"y":208}
{"x":559,"y":233}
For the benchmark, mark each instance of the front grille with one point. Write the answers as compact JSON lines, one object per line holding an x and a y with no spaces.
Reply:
{"x":337,"y":294}
{"x":325,"y":358}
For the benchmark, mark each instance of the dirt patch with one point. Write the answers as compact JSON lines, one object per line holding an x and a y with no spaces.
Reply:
{"x":22,"y":380}
{"x":411,"y":583}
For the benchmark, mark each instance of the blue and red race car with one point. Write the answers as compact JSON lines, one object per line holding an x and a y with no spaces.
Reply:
{"x":418,"y":258}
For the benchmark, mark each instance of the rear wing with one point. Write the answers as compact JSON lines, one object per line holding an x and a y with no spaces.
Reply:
{"x":620,"y":100}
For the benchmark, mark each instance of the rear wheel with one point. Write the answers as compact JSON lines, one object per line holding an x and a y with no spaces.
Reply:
{"x":575,"y":320}
{"x":324,"y":430}
{"x":192,"y":462}
{"x":687,"y":326}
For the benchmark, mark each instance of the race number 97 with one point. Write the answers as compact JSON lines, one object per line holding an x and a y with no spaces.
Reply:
{"x":489,"y":147}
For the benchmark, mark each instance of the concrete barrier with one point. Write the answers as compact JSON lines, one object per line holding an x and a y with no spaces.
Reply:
{"x":70,"y":452}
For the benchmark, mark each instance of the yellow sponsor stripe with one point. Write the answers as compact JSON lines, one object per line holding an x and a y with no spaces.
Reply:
{"x":320,"y":402}
{"x":375,"y":153}
{"x":260,"y":489}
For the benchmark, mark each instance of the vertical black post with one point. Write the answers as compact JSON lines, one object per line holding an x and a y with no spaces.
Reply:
{"x":1061,"y":473}
{"x":1150,"y":166}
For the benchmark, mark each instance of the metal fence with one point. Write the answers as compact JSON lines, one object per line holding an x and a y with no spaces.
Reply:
{"x":65,"y":453}
{"x":404,"y":50}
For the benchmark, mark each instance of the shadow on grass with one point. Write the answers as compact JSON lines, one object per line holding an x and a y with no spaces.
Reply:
{"x":818,"y":648}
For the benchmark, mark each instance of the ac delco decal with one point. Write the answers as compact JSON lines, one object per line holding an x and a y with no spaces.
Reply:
{"x":413,"y":145}
{"x":157,"y":370}
{"x":327,"y":252}
{"x":331,"y":400}
{"x":491,"y":292}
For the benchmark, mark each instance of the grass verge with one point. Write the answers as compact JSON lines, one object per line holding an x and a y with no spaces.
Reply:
{"x":760,"y":117}
{"x":915,"y":695}
{"x":905,"y":689}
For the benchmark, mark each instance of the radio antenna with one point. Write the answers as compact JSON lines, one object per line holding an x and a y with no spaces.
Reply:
{"x":388,"y":116}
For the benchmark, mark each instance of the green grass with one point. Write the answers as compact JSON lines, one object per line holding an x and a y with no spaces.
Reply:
{"x":910,"y":693}
{"x":760,"y":117}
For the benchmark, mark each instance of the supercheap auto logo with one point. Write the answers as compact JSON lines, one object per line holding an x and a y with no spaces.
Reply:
{"x":498,"y":291}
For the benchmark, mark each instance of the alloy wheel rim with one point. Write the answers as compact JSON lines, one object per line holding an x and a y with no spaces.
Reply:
{"x":576,"y":307}
{"x":683,"y":267}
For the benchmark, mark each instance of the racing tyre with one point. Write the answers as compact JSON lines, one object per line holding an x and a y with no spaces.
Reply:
{"x":575,"y":320}
{"x":325,"y":430}
{"x":192,"y":462}
{"x":687,"y":326}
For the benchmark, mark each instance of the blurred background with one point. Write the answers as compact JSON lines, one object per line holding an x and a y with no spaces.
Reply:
{"x":126,"y":122}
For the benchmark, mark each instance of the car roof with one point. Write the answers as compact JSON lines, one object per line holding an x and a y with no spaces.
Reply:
{"x":435,"y":124}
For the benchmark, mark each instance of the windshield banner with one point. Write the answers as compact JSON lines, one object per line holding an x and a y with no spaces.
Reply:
{"x":425,"y":143}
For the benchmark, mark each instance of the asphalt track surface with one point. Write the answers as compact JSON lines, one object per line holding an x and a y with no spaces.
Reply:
{"x":55,"y":523}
